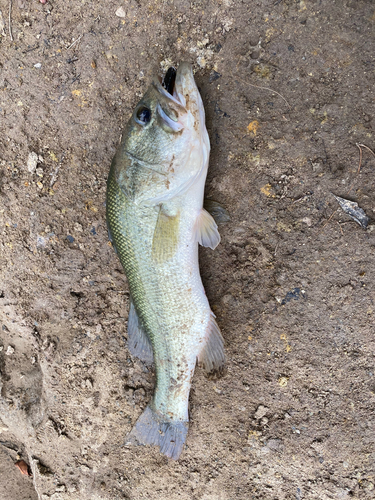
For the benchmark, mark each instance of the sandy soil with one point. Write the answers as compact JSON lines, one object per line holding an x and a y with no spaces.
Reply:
{"x":292,"y":283}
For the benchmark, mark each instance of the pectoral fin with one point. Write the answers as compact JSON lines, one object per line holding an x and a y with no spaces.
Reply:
{"x":138,"y":342}
{"x":206,"y":232}
{"x":212,"y":357}
{"x":165,"y":240}
{"x":218,"y":212}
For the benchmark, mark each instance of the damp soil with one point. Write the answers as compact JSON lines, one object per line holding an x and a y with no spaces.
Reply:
{"x":288,"y":88}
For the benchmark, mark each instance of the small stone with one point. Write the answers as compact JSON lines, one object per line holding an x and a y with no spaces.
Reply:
{"x":78,"y":227}
{"x":283,"y":381}
{"x":41,"y":242}
{"x":274,"y":444}
{"x":10,"y":350}
{"x":70,"y":238}
{"x":23,"y":467}
{"x":37,"y":65}
{"x":261,"y":412}
{"x":120,"y":12}
{"x":60,"y":487}
{"x":32,"y":162}
{"x":3,"y":427}
{"x":57,"y":496}
{"x":88,"y":383}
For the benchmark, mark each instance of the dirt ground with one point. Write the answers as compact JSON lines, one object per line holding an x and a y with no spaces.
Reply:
{"x":292,"y":283}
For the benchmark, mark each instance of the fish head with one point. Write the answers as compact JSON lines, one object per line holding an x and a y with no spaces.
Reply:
{"x":165,"y":145}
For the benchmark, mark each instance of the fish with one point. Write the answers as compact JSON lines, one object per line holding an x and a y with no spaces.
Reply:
{"x":156,"y":220}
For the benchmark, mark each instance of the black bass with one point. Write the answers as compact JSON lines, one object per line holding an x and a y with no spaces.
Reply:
{"x":156,"y":219}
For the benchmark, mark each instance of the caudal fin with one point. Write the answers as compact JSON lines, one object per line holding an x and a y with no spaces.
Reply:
{"x":151,"y":429}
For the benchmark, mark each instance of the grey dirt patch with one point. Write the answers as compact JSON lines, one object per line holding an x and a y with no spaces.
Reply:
{"x":288,"y":88}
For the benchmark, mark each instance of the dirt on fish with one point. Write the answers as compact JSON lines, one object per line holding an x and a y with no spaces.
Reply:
{"x":288,"y":88}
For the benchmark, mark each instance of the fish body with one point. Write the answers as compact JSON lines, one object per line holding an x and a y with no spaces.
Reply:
{"x":156,"y":219}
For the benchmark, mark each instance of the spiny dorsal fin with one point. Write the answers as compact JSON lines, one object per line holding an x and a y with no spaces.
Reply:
{"x":206,"y":232}
{"x":212,"y":357}
{"x":138,"y":342}
{"x":165,"y":240}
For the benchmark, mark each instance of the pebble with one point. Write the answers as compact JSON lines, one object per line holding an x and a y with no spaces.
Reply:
{"x":3,"y":427}
{"x":37,"y":65}
{"x":120,"y":12}
{"x":283,"y":381}
{"x":32,"y":162}
{"x":10,"y":350}
{"x":274,"y":444}
{"x":261,"y":412}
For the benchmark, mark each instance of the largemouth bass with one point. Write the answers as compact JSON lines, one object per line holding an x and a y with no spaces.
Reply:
{"x":156,"y":219}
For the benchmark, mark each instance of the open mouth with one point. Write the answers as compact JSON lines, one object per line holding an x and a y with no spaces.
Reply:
{"x":169,"y":80}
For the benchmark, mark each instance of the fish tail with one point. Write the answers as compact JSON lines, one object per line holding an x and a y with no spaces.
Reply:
{"x":151,"y":429}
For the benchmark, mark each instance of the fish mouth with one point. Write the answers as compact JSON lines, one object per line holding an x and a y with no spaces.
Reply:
{"x":178,"y":86}
{"x":169,"y":80}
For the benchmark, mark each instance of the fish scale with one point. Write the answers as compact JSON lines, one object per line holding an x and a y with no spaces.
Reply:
{"x":155,"y":220}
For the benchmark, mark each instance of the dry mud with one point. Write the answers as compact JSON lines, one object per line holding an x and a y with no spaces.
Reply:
{"x":292,"y":283}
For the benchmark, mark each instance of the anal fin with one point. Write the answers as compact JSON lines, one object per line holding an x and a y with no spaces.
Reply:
{"x":138,"y":342}
{"x":212,"y":357}
{"x":206,"y":232}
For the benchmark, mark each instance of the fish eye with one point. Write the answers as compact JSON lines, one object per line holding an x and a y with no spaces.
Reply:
{"x":143,"y":115}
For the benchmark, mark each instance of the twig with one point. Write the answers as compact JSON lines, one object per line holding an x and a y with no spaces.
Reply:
{"x":360,"y":146}
{"x":263,"y":88}
{"x":342,"y":232}
{"x":360,"y":157}
{"x":75,"y":41}
{"x":10,"y":26}
{"x":329,"y":219}
{"x":266,"y":88}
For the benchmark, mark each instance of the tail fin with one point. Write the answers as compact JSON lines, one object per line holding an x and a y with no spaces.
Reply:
{"x":151,"y":429}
